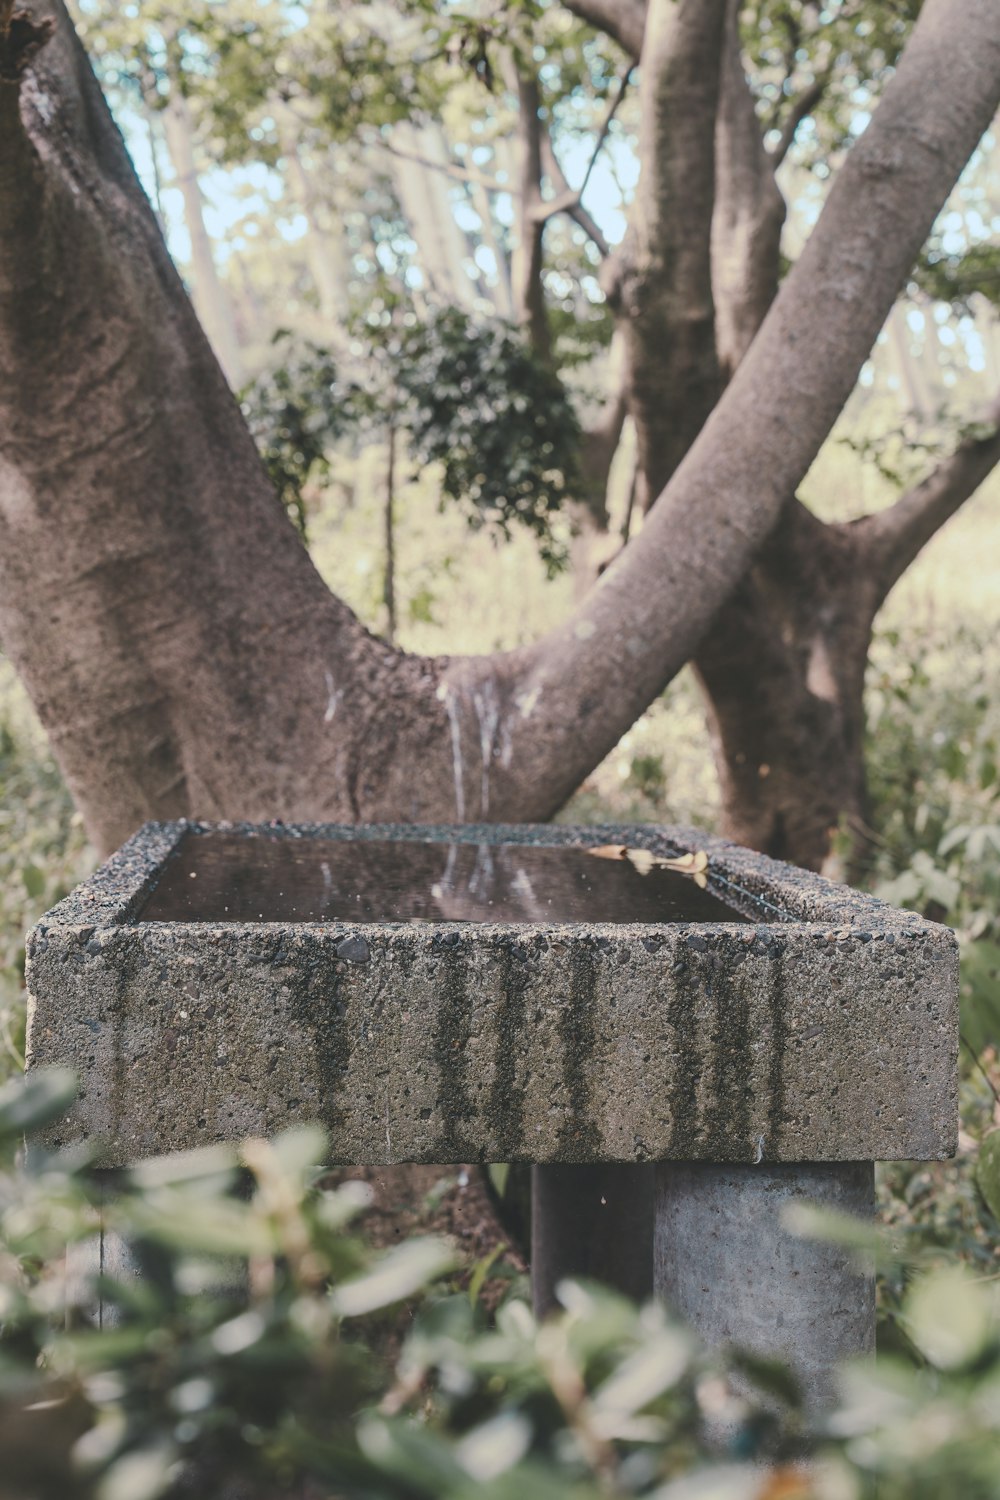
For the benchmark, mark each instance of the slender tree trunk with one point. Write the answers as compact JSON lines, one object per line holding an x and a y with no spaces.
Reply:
{"x":425,"y":200}
{"x":325,"y":250}
{"x":210,"y":297}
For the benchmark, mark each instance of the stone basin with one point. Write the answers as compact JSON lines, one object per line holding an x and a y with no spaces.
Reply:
{"x":491,"y":994}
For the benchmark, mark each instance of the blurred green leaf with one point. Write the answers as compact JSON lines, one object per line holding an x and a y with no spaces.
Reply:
{"x":399,"y":1273}
{"x":988,"y":1172}
{"x":949,"y":1317}
{"x":41,"y":1096}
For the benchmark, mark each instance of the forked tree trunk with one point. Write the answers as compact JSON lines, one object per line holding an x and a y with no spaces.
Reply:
{"x":182,"y":651}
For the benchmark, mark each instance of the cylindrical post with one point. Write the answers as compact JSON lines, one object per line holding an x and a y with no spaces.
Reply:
{"x":727,"y":1266}
{"x":594,"y":1221}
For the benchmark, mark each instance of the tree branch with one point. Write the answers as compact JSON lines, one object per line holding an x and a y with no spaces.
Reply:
{"x":450,"y":168}
{"x":801,"y":107}
{"x":892,"y":538}
{"x":527,"y":258}
{"x":664,"y":285}
{"x":569,"y":200}
{"x":624,"y":20}
{"x":749,"y":211}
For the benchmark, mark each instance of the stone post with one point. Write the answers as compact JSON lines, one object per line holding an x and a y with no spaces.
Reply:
{"x":727,"y":1265}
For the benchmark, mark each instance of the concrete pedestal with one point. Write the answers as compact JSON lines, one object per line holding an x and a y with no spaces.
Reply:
{"x":494,"y":1014}
{"x":726,"y":1264}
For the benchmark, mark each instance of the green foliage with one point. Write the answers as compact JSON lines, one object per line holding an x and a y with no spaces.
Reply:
{"x":295,"y":415}
{"x":955,"y":278}
{"x":988,"y":1173}
{"x":845,"y":50}
{"x":935,"y":738}
{"x":43,"y":852}
{"x":494,"y":421}
{"x":934,"y":734}
{"x":239,"y":1354}
{"x":242,"y":61}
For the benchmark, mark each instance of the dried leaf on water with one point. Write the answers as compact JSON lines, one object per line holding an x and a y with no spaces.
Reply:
{"x":693,"y":865}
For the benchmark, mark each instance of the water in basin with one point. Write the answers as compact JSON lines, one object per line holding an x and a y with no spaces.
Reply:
{"x":239,"y":877}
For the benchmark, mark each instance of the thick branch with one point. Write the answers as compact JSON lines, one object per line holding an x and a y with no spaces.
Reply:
{"x":891,"y":538}
{"x":664,"y":288}
{"x":527,"y":259}
{"x":749,"y":211}
{"x":624,"y":20}
{"x":801,"y":108}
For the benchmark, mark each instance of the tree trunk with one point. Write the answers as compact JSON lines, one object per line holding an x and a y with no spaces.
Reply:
{"x":783,"y":671}
{"x":423,"y":190}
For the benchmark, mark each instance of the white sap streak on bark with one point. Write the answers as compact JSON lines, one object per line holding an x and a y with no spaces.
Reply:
{"x":333,"y":697}
{"x":820,"y":679}
{"x":487,"y":705}
{"x":447,"y":697}
{"x":528,"y":702}
{"x":17,"y":498}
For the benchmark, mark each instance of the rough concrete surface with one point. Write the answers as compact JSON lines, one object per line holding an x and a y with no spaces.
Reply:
{"x":826,"y":1029}
{"x":728,"y":1265}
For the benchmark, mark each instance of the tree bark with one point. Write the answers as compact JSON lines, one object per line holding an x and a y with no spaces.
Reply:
{"x":783,"y":671}
{"x":783,"y":666}
{"x":180,"y":647}
{"x":527,"y":290}
{"x":748,"y":214}
{"x":661,"y":282}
